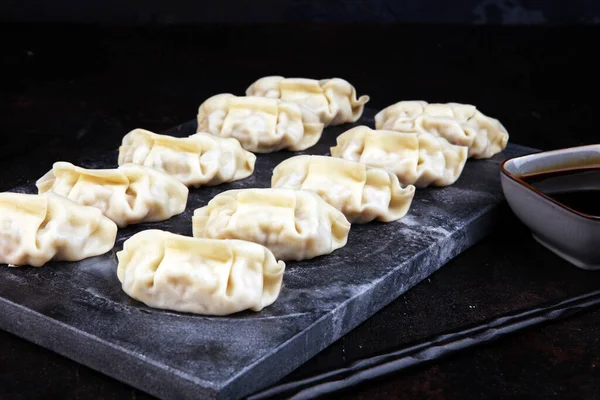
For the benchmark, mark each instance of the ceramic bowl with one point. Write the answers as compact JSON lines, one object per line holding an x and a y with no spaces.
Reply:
{"x":570,"y":234}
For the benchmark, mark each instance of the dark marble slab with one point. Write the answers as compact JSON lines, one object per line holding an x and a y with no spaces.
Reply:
{"x":79,"y":310}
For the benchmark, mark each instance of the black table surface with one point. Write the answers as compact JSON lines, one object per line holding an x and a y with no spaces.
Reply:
{"x":67,"y":91}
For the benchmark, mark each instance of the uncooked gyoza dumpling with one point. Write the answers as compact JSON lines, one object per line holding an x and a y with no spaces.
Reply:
{"x":261,"y":125}
{"x":334,"y":100}
{"x":460,"y":124}
{"x":204,"y":276}
{"x":198,"y":160}
{"x":360,"y":192}
{"x":419,"y":159}
{"x":130,"y":194}
{"x":35,"y":229}
{"x":293,"y":224}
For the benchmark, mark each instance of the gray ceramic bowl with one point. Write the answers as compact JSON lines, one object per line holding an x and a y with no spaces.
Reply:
{"x":572,"y":235}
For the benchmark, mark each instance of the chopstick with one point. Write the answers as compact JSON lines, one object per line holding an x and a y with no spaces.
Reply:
{"x":371,"y":368}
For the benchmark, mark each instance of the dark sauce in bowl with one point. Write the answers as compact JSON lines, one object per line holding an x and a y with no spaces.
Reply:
{"x":575,"y":188}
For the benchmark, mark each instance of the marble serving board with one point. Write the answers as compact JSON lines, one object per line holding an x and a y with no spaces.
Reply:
{"x":79,"y":310}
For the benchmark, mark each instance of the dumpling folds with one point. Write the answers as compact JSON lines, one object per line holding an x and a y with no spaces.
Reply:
{"x":460,"y":124}
{"x":333,"y":100}
{"x":199,"y":160}
{"x":130,"y":194}
{"x":203,"y":276}
{"x":35,"y":229}
{"x":416,"y":159}
{"x":261,"y":125}
{"x":361,"y":193}
{"x":293,"y":224}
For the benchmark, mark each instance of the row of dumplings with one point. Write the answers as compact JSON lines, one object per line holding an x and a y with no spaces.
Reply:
{"x":231,"y":263}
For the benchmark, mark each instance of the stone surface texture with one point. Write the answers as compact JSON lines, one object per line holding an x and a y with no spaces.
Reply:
{"x":79,"y":310}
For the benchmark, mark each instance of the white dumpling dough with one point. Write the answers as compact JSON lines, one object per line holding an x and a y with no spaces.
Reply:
{"x":293,"y":224}
{"x":262,"y":125}
{"x":203,"y":276}
{"x":130,"y":194}
{"x":419,"y":159}
{"x":360,"y":192}
{"x":460,"y":124}
{"x":198,"y":160}
{"x":35,"y":229}
{"x":333,"y":100}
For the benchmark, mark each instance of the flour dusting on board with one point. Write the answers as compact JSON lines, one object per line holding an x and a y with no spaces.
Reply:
{"x":321,"y":299}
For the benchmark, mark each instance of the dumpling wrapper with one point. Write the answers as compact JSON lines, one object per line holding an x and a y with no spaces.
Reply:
{"x":333,"y":100}
{"x":293,"y":224}
{"x":203,"y":276}
{"x":261,"y":125}
{"x":35,"y":229}
{"x":198,"y":160}
{"x":130,"y":194}
{"x":419,"y":159}
{"x":460,"y":124}
{"x":360,"y":192}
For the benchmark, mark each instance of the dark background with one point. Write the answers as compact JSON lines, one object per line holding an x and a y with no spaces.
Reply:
{"x":76,"y":76}
{"x":512,"y":12}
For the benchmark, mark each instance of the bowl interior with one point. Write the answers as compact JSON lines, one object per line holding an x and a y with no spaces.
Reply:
{"x":561,"y":177}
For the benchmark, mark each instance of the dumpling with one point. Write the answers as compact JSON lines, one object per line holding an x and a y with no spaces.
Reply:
{"x":199,"y":160}
{"x":293,"y":224}
{"x":333,"y":100}
{"x":460,"y":124}
{"x":440,"y":163}
{"x":419,"y":159}
{"x":361,"y":193}
{"x":35,"y":229}
{"x":130,"y":194}
{"x":204,"y":276}
{"x":261,"y":125}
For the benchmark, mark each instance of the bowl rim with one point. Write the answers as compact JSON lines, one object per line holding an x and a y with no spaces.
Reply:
{"x":520,"y":181}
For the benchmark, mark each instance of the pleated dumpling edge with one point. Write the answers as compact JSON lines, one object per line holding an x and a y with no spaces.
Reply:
{"x":293,"y":224}
{"x":260,"y":124}
{"x":35,"y":229}
{"x":127,"y":195}
{"x":198,"y":160}
{"x":334,"y":100}
{"x":460,"y":124}
{"x":419,"y":159}
{"x":360,"y":192}
{"x":204,"y":276}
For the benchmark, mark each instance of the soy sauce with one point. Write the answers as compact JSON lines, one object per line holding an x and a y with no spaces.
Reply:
{"x":576,"y":188}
